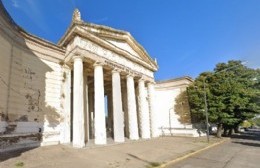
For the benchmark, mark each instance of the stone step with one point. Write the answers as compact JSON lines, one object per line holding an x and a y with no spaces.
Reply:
{"x":9,"y":142}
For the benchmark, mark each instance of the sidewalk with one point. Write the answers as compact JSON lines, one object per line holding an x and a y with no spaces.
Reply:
{"x":134,"y":154}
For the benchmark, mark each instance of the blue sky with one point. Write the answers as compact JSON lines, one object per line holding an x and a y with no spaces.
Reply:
{"x":186,"y":36}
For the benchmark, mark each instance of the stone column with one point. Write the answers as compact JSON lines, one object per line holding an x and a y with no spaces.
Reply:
{"x":78,"y":108}
{"x":100,"y":118}
{"x":124,"y":101}
{"x":91,"y":115}
{"x":118,"y":116}
{"x":86,"y":107}
{"x":143,"y":113}
{"x":110,"y":114}
{"x":153,"y":115}
{"x":131,"y":105}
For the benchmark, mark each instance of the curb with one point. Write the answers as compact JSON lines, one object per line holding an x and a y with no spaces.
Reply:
{"x":192,"y":153}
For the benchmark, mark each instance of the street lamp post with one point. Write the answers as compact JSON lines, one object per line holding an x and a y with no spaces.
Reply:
{"x":170,"y":123}
{"x":206,"y":109}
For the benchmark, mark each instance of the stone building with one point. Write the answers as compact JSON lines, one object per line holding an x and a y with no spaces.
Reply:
{"x":96,"y":84}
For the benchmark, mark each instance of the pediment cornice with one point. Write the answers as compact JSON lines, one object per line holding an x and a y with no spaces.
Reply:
{"x":97,"y":33}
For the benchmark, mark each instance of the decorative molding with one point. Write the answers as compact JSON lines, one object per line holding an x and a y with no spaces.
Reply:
{"x":98,"y":63}
{"x":93,"y":56}
{"x":116,"y":70}
{"x":119,"y":60}
{"x":76,"y":15}
{"x":96,"y":32}
{"x":77,"y":57}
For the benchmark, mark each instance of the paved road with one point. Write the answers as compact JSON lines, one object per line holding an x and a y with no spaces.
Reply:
{"x":243,"y":151}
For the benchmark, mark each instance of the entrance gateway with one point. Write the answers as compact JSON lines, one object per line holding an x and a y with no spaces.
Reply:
{"x":107,"y":64}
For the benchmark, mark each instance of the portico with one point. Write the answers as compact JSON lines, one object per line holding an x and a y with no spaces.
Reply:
{"x":112,"y":85}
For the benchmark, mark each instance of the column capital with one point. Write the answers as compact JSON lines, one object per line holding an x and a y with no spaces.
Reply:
{"x":77,"y":57}
{"x":151,"y":83}
{"x":116,"y":70}
{"x":130,"y":75}
{"x":141,"y":79}
{"x":97,"y":63}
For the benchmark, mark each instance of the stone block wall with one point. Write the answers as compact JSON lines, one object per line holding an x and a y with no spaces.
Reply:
{"x":5,"y":49}
{"x":31,"y":85}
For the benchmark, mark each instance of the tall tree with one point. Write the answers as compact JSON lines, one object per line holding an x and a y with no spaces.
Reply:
{"x":232,"y":91}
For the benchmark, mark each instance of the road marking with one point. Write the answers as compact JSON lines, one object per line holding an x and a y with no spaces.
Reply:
{"x":192,"y":153}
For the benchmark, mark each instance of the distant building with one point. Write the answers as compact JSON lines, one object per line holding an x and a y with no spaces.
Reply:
{"x":96,"y":83}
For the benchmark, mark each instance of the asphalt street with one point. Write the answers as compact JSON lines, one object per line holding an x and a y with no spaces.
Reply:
{"x":242,"y":151}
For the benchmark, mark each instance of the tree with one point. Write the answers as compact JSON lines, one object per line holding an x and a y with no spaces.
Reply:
{"x":232,"y":95}
{"x":256,"y":121}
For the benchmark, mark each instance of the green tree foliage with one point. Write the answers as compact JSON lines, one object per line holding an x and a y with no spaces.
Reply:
{"x":256,"y":121}
{"x":233,"y":94}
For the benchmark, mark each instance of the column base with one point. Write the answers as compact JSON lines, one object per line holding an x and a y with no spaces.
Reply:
{"x":134,"y":138}
{"x":78,"y":145}
{"x":119,"y":140}
{"x":100,"y":142}
{"x":146,"y":137}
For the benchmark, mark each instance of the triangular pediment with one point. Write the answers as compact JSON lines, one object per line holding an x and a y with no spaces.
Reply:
{"x":123,"y":45}
{"x":121,"y":41}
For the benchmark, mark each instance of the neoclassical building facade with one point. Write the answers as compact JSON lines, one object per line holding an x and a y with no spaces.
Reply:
{"x":96,"y":84}
{"x":108,"y":62}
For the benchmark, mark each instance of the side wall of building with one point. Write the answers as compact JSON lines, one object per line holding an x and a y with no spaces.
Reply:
{"x":5,"y":49}
{"x":165,"y":105}
{"x":173,"y":108}
{"x":31,"y":80}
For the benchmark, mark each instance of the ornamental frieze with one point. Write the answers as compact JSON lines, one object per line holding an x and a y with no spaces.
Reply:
{"x":102,"y":52}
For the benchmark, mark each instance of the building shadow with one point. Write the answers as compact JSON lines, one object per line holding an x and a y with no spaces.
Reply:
{"x":249,"y":144}
{"x":12,"y":154}
{"x":247,"y":135}
{"x":30,"y":90}
{"x":182,"y":108}
{"x":248,"y":138}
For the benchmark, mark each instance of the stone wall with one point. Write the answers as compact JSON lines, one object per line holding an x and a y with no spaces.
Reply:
{"x":5,"y":49}
{"x":31,"y":81}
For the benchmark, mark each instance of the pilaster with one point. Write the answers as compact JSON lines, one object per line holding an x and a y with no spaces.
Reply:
{"x":143,"y":113}
{"x":153,"y":115}
{"x":65,"y":135}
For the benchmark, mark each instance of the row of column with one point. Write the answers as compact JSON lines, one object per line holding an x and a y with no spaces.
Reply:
{"x":147,"y":118}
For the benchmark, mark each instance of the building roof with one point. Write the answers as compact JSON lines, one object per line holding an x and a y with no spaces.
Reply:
{"x":103,"y":35}
{"x":187,"y":78}
{"x":174,"y":83}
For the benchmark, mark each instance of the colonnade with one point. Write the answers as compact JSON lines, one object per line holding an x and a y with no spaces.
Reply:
{"x":138,"y":119}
